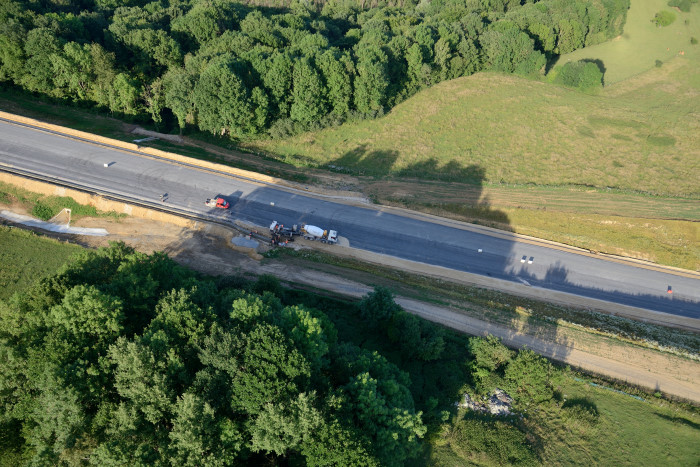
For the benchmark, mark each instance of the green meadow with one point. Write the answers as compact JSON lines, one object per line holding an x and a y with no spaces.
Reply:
{"x":505,"y":130}
{"x":26,"y":257}
{"x":643,"y":43}
{"x":596,"y":425}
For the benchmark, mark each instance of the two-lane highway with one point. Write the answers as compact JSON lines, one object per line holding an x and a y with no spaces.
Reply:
{"x":449,"y":244}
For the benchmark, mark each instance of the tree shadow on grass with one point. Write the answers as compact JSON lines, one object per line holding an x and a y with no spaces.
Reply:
{"x":453,"y":171}
{"x":380,"y":163}
{"x":680,"y":420}
{"x":361,"y":161}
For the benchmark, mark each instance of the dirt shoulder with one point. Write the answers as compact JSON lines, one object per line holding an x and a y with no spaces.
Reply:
{"x":208,"y":248}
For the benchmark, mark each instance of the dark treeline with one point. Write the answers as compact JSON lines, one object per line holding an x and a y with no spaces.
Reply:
{"x":128,"y":359}
{"x":122,"y":358}
{"x":238,"y":70}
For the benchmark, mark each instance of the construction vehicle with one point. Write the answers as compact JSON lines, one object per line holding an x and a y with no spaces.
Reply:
{"x":311,"y":232}
{"x":281,"y":231}
{"x":217,"y":203}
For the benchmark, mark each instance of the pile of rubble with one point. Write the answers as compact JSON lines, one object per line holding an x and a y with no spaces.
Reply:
{"x":499,"y":403}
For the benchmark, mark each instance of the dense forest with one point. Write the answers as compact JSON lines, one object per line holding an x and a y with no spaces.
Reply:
{"x":123,"y":358}
{"x":239,"y":70}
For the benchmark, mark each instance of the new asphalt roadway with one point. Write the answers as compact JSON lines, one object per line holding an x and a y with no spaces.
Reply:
{"x":459,"y":246}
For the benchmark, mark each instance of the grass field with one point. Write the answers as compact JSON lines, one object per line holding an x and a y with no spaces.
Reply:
{"x":622,"y":58}
{"x":26,"y":257}
{"x":627,"y":432}
{"x":623,"y":431}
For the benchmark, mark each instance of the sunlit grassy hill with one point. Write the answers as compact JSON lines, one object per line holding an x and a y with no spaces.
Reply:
{"x":642,"y":42}
{"x":641,"y":135}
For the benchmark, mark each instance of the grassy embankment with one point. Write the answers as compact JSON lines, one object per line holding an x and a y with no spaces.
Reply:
{"x":586,"y":424}
{"x":26,"y":257}
{"x":45,"y":207}
{"x":614,"y":172}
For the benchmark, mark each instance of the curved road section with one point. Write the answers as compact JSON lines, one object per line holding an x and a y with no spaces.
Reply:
{"x":120,"y":173}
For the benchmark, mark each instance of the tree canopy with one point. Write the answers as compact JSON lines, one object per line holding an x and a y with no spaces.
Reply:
{"x":238,"y":69}
{"x":125,"y":358}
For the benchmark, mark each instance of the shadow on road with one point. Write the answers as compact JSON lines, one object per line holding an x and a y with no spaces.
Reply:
{"x":557,"y":277}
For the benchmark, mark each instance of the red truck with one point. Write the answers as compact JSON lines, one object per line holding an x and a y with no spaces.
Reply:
{"x":217,"y":203}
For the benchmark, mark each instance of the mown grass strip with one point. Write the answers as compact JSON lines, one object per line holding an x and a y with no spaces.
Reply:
{"x":663,"y":241}
{"x":27,"y":257}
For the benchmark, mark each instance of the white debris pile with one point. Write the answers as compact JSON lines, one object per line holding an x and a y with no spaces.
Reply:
{"x":32,"y":222}
{"x":499,"y":403}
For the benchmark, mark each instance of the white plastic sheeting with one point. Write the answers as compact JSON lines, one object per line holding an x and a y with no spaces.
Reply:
{"x":32,"y":222}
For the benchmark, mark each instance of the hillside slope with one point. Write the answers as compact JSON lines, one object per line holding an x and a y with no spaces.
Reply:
{"x":641,"y":135}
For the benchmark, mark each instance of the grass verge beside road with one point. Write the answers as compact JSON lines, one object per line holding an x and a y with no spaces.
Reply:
{"x":45,"y":207}
{"x":665,"y":241}
{"x":27,"y":257}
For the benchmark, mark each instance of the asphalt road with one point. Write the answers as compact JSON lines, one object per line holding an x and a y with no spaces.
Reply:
{"x":450,"y":244}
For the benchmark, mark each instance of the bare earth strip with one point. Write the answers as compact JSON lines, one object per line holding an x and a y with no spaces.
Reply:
{"x":601,"y":355}
{"x":632,"y":364}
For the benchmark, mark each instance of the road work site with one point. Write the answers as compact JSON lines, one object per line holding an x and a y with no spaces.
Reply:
{"x":220,"y":251}
{"x":209,"y":249}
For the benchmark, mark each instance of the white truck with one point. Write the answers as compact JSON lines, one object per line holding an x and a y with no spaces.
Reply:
{"x":311,"y":232}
